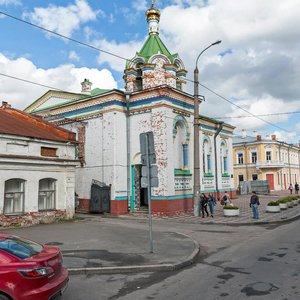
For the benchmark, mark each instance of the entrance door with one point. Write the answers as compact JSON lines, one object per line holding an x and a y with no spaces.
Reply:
{"x":270,"y":178}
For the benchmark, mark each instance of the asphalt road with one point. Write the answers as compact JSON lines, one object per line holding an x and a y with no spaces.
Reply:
{"x":241,"y":262}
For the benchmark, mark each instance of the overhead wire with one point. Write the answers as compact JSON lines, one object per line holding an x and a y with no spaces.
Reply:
{"x":123,"y":58}
{"x":62,"y":36}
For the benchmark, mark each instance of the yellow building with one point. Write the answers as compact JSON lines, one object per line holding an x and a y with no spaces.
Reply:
{"x":256,"y":158}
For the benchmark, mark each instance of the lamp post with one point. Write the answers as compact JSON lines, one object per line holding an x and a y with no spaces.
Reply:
{"x":196,"y":134}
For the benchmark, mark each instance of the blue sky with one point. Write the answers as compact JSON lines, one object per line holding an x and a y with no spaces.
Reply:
{"x":257,"y":66}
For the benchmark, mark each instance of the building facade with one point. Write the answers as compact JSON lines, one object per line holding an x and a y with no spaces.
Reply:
{"x":108,"y":124}
{"x":257,"y":158}
{"x":37,"y":169}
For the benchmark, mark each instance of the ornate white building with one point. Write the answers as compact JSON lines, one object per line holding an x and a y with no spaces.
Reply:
{"x":108,"y":124}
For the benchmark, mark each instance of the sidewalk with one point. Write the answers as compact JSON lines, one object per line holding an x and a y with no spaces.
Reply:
{"x":94,"y":245}
{"x":245,"y":217}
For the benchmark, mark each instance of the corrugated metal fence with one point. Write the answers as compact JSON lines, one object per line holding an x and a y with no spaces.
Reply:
{"x":259,"y":186}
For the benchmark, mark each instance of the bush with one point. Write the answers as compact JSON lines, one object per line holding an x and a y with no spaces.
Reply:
{"x":273,"y":203}
{"x":230,"y":207}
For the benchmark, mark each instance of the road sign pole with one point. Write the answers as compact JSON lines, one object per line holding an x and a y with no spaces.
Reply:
{"x":149,"y":196}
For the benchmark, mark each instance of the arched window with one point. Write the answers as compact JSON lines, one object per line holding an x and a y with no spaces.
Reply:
{"x":47,"y":191}
{"x":181,"y":137}
{"x":14,"y":196}
{"x":139,"y":79}
{"x":206,"y":157}
{"x":179,"y":146}
{"x":223,"y":158}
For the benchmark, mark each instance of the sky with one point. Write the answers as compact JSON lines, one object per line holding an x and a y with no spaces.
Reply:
{"x":254,"y":71}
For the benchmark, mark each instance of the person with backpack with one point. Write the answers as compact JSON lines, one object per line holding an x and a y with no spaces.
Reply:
{"x":254,"y":202}
{"x":203,"y":205}
{"x":225,"y":199}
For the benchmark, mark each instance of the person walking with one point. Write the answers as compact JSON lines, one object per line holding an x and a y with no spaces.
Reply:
{"x":211,"y":204}
{"x":254,"y":202}
{"x":203,"y":205}
{"x":226,"y":199}
{"x":296,"y":188}
{"x":291,"y":189}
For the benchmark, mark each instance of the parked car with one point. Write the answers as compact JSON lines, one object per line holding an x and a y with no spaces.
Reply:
{"x":29,"y":270}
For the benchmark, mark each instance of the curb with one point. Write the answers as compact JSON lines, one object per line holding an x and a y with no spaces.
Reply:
{"x":141,"y":268}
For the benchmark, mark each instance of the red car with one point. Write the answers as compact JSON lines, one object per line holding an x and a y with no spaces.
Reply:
{"x":30,"y":271}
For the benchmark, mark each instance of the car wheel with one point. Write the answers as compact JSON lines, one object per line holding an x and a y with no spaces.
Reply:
{"x":3,"y":297}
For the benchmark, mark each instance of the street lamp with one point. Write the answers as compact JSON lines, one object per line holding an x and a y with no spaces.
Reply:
{"x":196,"y":134}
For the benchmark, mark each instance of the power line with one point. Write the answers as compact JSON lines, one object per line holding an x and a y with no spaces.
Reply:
{"x":243,"y":109}
{"x":32,"y":82}
{"x":118,"y":56}
{"x":62,"y":36}
{"x":265,"y":115}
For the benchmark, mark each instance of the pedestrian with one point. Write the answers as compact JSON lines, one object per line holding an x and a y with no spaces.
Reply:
{"x":291,"y":189}
{"x":296,"y":188}
{"x":254,"y":202}
{"x":225,"y":199}
{"x":203,"y":205}
{"x":211,"y":204}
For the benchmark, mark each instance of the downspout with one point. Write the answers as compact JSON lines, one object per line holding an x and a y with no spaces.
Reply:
{"x":289,"y":162}
{"x":127,"y":97}
{"x":220,"y":127}
{"x":281,"y":183}
{"x":246,"y":161}
{"x":299,"y":163}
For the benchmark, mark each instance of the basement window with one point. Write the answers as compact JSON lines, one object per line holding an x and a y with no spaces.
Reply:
{"x":47,"y":151}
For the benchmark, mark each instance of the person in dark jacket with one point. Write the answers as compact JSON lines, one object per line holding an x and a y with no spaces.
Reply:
{"x":296,"y":188}
{"x":203,"y":205}
{"x":254,"y":202}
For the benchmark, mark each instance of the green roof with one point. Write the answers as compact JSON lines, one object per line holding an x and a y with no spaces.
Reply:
{"x":154,"y":45}
{"x":98,"y":91}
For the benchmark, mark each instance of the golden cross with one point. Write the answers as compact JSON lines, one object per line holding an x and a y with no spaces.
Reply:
{"x":153,"y":2}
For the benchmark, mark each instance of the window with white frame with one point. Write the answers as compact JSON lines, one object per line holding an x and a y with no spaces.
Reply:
{"x":47,"y":190}
{"x":240,"y":158}
{"x":14,"y":196}
{"x":268,"y":155}
{"x":206,"y":157}
{"x":254,"y":157}
{"x":223,"y":158}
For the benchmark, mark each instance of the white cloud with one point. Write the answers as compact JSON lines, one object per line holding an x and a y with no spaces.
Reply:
{"x":125,"y":50}
{"x":74,"y":56}
{"x":66,"y":77}
{"x":140,"y":5}
{"x":10,"y":2}
{"x":63,"y":20}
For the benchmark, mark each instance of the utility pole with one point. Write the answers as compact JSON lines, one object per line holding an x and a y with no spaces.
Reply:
{"x":197,"y":187}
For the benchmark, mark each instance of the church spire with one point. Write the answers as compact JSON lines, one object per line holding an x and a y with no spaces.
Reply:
{"x":153,"y":17}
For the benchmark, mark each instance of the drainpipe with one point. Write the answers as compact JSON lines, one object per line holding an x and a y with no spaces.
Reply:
{"x":281,"y":183}
{"x":246,"y":161}
{"x":127,"y":97}
{"x":289,"y":162}
{"x":220,"y":127}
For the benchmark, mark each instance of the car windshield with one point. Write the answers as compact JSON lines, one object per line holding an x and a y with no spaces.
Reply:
{"x":19,"y":247}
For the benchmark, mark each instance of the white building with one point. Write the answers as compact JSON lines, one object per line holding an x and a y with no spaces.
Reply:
{"x":108,"y":124}
{"x":37,"y":169}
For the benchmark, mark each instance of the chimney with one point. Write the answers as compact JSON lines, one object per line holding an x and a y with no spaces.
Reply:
{"x":5,"y":105}
{"x":274,"y":137}
{"x":244,"y":133}
{"x":86,"y":86}
{"x":258,"y":138}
